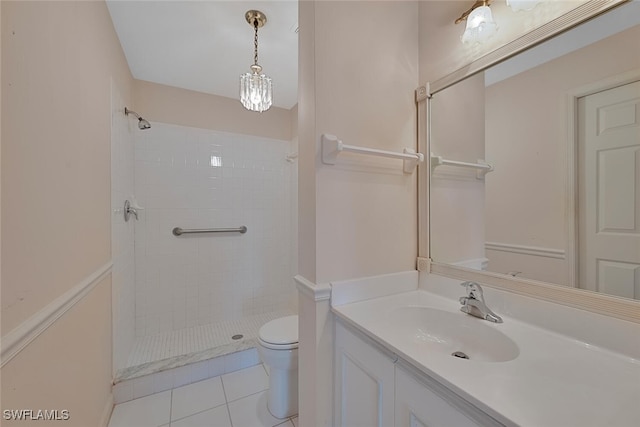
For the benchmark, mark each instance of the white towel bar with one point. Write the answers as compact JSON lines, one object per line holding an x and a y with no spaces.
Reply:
{"x":331,"y":146}
{"x":483,"y":168}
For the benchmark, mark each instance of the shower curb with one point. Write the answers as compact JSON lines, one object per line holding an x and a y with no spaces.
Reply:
{"x":143,"y":380}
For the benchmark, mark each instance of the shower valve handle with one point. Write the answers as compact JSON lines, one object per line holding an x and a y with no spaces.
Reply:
{"x":128,"y":211}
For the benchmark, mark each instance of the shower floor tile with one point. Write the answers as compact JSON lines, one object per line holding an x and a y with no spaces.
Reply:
{"x":160,"y":352}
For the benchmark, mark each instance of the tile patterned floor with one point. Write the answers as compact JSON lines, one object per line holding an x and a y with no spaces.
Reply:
{"x":237,"y":399}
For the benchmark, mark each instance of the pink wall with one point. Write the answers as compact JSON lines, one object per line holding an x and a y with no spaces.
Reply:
{"x":358,"y":68}
{"x":363,"y":78}
{"x":167,"y":104}
{"x":58,"y":59}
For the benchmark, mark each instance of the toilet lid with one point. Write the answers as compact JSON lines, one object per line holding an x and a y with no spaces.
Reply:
{"x":280,"y":331}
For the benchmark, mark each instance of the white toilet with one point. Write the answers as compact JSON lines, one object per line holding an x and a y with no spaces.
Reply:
{"x":278,"y":350}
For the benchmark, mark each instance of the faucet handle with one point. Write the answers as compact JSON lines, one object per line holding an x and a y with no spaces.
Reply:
{"x":130,"y":210}
{"x":474,"y":290}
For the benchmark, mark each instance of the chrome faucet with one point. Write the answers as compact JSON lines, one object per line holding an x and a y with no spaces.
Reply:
{"x":474,"y":304}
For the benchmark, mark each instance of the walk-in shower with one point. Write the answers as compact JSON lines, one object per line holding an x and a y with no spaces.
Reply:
{"x":183,"y":298}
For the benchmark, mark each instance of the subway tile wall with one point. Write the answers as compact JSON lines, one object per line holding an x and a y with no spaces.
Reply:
{"x":195,"y":178}
{"x":123,"y":131}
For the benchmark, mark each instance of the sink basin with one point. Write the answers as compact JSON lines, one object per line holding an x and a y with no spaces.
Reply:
{"x":439,"y":331}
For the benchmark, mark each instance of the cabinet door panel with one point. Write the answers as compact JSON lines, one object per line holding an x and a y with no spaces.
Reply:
{"x":364,"y":383}
{"x":418,"y":406}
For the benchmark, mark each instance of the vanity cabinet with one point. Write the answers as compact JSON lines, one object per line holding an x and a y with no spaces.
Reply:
{"x":363,"y":382}
{"x":417,"y":404}
{"x":373,"y":387}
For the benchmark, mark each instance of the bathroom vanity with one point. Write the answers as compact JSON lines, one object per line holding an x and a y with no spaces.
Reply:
{"x":376,"y":387}
{"x":399,"y":361}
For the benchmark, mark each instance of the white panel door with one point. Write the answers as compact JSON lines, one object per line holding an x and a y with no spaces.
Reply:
{"x":364,"y":383}
{"x":609,"y":195}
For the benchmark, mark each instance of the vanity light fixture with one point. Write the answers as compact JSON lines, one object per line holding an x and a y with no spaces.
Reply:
{"x":518,"y":5}
{"x":256,"y":88}
{"x":480,"y":24}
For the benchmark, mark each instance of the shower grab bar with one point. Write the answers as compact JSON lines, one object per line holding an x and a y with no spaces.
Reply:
{"x":331,"y":146}
{"x":180,"y":231}
{"x":483,"y":168}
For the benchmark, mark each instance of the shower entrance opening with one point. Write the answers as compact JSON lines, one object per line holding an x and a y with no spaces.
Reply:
{"x":184,"y":298}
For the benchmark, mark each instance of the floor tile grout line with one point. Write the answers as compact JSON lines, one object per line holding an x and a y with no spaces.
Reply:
{"x":171,"y":407}
{"x":226,"y":402}
{"x":229,"y":414}
{"x":199,"y":412}
{"x":248,"y":395}
{"x":224,"y":391}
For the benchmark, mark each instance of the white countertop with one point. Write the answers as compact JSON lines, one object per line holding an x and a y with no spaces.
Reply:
{"x":554,"y":381}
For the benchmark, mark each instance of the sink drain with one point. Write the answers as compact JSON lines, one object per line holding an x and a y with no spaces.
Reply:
{"x":237,"y":337}
{"x":460,"y":355}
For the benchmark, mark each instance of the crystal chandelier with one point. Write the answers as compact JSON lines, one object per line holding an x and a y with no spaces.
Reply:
{"x":255,"y":88}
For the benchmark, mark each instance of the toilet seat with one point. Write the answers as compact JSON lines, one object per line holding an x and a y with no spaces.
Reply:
{"x":280,"y":334}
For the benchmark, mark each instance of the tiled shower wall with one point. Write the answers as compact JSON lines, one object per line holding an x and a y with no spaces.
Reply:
{"x":196,"y":178}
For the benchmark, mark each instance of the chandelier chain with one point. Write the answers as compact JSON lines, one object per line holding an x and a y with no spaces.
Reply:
{"x":255,"y":42}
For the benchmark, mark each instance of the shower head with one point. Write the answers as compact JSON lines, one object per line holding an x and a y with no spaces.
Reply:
{"x":142,"y":123}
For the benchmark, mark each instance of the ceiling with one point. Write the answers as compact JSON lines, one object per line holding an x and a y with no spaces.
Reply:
{"x":205,"y":45}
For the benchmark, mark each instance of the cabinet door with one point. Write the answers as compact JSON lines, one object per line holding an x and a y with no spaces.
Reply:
{"x":364,"y":382}
{"x":417,"y":405}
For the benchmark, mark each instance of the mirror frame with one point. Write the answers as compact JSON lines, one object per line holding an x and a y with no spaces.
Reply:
{"x":569,"y":296}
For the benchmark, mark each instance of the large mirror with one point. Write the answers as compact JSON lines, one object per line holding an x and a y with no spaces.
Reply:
{"x":559,"y":125}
